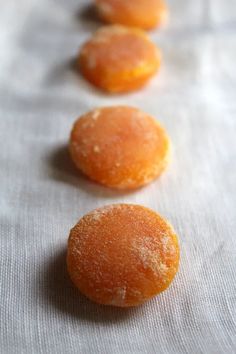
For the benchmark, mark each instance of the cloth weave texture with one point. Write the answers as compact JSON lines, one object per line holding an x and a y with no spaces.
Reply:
{"x":42,"y":196}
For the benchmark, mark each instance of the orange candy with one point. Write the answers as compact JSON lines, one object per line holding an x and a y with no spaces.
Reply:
{"x":135,"y":13}
{"x":120,"y":147}
{"x":119,"y":59}
{"x":122,"y":255}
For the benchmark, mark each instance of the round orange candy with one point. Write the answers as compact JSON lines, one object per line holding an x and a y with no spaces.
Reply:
{"x":136,"y":13}
{"x":122,"y":255}
{"x":120,"y":147}
{"x":119,"y":59}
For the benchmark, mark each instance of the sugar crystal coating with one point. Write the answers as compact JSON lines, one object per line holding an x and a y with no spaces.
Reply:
{"x":119,"y":59}
{"x":122,"y":255}
{"x":120,"y":147}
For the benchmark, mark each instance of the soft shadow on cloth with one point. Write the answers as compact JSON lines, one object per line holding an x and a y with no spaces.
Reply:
{"x":63,"y":169}
{"x":57,"y":75}
{"x":89,"y":17}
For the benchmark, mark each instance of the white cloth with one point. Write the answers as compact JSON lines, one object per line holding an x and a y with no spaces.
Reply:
{"x":42,"y":196}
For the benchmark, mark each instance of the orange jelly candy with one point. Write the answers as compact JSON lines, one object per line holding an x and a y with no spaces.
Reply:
{"x":137,"y":13}
{"x":119,"y":59}
{"x":120,"y":147}
{"x":122,"y":255}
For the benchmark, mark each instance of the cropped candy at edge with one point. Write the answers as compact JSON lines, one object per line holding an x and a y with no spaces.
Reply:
{"x":144,"y":14}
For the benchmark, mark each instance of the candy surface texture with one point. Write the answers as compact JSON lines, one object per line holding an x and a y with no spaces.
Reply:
{"x":119,"y":59}
{"x":120,"y":147}
{"x":145,"y":14}
{"x":122,"y":255}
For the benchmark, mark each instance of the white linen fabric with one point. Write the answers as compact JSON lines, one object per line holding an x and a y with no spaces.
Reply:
{"x":42,"y":195}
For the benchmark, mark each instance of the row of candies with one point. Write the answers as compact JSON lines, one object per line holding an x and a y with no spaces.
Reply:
{"x":121,"y":57}
{"x":122,"y":254}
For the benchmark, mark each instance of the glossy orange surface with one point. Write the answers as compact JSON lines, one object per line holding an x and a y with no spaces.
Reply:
{"x":145,"y":14}
{"x":119,"y":59}
{"x":119,"y":147}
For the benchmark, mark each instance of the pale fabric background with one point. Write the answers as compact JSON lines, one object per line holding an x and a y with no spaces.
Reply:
{"x":42,"y":196}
